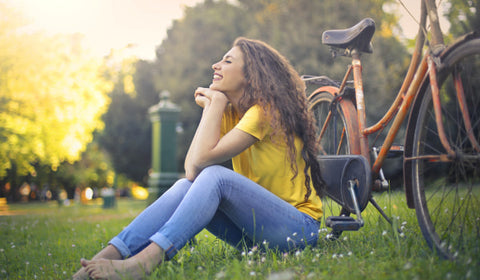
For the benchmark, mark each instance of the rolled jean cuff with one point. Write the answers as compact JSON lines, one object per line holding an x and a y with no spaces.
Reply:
{"x":121,"y":247}
{"x":165,"y":244}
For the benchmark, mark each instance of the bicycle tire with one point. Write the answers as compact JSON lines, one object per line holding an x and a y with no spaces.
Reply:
{"x":446,"y":192}
{"x":332,"y":142}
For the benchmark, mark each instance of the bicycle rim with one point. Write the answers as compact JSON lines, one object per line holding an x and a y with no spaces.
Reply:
{"x":446,"y":191}
{"x":338,"y":137}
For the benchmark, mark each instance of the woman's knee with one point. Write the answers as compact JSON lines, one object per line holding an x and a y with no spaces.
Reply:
{"x":181,"y":186}
{"x":214,"y":171}
{"x":213,"y":177}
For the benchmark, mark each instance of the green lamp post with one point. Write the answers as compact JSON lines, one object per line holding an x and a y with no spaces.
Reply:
{"x":163,"y":116}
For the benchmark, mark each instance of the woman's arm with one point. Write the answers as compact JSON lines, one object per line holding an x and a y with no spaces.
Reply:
{"x":207,"y":148}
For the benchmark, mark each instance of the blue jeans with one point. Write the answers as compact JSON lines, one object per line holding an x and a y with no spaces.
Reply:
{"x":229,"y":205}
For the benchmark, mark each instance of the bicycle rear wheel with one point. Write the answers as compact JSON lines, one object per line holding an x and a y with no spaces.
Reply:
{"x":446,"y":190}
{"x":339,"y":130}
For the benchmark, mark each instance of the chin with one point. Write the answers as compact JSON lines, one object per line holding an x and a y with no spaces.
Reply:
{"x":215,"y":87}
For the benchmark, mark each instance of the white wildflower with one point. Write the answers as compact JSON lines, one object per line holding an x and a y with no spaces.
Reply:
{"x":407,"y":266}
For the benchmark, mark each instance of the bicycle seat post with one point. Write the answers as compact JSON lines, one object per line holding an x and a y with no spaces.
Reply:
{"x":360,"y":99}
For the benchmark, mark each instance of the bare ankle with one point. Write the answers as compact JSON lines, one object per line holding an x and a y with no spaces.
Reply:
{"x":110,"y":253}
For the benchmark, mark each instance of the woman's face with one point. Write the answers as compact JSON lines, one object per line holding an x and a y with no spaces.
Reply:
{"x":228,"y":76}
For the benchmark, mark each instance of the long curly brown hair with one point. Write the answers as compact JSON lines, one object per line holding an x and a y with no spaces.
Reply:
{"x":274,"y":84}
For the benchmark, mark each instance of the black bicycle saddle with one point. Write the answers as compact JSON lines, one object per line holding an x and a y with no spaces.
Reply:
{"x":356,"y":37}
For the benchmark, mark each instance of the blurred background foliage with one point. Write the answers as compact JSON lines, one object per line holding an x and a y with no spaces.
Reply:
{"x":69,"y":120}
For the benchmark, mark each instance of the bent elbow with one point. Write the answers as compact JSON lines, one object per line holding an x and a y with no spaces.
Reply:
{"x":190,"y":176}
{"x":191,"y":172}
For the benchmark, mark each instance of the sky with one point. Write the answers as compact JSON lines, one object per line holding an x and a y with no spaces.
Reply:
{"x":108,"y":24}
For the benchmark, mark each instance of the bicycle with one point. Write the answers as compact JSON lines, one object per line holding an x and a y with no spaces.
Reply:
{"x":441,"y":151}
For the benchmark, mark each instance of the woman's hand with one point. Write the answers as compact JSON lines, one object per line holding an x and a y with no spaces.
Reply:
{"x":205,"y":96}
{"x":207,"y":147}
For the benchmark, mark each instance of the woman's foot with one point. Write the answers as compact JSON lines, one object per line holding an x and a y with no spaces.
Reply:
{"x":81,"y":274}
{"x":116,"y":269}
{"x":109,"y":252}
{"x":136,"y":267}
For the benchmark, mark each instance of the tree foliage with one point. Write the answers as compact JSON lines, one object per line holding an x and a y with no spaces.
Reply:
{"x":464,"y":16}
{"x":127,"y":133}
{"x":52,"y":97}
{"x":185,"y":57}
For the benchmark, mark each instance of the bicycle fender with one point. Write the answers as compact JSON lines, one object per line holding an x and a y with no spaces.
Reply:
{"x":330,"y":89}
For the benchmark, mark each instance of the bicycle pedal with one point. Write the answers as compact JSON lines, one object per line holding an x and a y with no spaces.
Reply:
{"x":343,"y":223}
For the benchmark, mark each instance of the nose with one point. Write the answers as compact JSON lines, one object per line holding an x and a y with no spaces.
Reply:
{"x":215,"y":66}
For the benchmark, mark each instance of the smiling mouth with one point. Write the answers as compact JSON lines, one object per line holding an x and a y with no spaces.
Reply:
{"x":217,"y":77}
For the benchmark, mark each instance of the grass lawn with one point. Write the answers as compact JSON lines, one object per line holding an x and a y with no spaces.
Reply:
{"x":45,"y":241}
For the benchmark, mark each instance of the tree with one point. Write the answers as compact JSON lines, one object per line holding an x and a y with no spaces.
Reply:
{"x":185,"y":57}
{"x":464,"y":16}
{"x":52,"y":96}
{"x":127,"y":133}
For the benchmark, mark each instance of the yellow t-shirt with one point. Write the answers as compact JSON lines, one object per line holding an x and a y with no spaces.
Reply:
{"x":267,"y":161}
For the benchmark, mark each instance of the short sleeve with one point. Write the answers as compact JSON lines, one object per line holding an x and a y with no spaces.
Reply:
{"x":254,"y":122}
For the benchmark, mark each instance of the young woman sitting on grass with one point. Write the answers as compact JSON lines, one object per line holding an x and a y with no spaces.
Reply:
{"x":254,"y":113}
